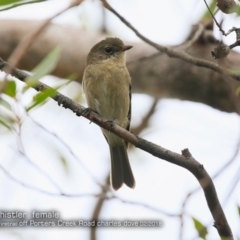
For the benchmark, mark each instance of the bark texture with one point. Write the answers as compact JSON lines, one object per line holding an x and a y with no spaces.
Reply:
{"x":152,"y":73}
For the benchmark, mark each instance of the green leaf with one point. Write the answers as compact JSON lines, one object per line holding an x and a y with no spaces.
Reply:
{"x":201,"y":229}
{"x":6,"y":2}
{"x":15,"y":3}
{"x":64,"y":163}
{"x":237,"y":10}
{"x":238,"y":210}
{"x":46,"y":66}
{"x":10,"y":88}
{"x":238,"y":91}
{"x":207,"y":14}
{"x":41,"y":97}
{"x":72,"y":76}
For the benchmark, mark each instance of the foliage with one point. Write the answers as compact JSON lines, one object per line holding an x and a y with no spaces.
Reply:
{"x":9,"y":4}
{"x":201,"y":229}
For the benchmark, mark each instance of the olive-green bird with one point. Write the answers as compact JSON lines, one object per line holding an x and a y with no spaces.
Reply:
{"x":107,"y":86}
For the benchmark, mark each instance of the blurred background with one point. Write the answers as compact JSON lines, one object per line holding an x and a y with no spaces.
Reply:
{"x":52,"y":160}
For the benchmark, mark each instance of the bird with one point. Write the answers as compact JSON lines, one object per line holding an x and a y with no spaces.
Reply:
{"x":107,"y":87}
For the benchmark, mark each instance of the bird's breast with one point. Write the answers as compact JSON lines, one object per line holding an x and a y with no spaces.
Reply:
{"x":107,"y":91}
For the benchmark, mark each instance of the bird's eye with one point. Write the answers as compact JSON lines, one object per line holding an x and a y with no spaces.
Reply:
{"x":108,"y":50}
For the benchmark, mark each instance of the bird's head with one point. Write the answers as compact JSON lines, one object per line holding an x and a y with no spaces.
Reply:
{"x":110,"y":48}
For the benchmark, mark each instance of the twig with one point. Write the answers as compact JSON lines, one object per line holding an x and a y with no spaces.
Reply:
{"x":160,"y":211}
{"x":24,"y":45}
{"x":106,"y":189}
{"x":232,"y":185}
{"x":219,"y":26}
{"x":22,"y":152}
{"x":69,"y":149}
{"x":174,"y":53}
{"x":198,"y":32}
{"x":99,"y":205}
{"x":144,"y":123}
{"x":220,"y":171}
{"x":185,"y":160}
{"x":61,"y":194}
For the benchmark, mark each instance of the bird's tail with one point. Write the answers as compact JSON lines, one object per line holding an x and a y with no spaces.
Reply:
{"x":121,"y":171}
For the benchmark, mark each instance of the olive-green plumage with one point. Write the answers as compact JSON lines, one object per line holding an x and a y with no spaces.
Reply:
{"x":107,"y":86}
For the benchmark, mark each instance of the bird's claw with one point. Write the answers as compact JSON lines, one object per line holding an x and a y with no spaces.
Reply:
{"x":112,"y":123}
{"x":86,"y":111}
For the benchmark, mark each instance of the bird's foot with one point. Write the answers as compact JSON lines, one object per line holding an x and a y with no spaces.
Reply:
{"x":86,"y":112}
{"x":112,"y":123}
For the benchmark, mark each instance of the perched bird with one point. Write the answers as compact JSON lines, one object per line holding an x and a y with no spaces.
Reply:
{"x":107,"y":87}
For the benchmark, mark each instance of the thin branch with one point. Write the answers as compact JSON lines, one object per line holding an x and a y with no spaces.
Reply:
{"x":22,"y":152}
{"x":174,"y":53}
{"x":185,"y":160}
{"x":106,"y":189}
{"x":21,"y":4}
{"x":190,"y":194}
{"x":40,"y":170}
{"x":219,"y":26}
{"x":144,"y":123}
{"x":24,"y":45}
{"x":144,"y":205}
{"x":232,"y":185}
{"x":99,"y":205}
{"x":69,"y":150}
{"x":61,"y":194}
{"x":194,"y":37}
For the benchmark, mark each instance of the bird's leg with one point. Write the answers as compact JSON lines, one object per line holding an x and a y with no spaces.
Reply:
{"x":112,"y":123}
{"x":86,"y":112}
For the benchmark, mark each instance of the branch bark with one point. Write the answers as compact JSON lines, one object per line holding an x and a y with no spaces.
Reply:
{"x":152,"y":72}
{"x":185,"y":160}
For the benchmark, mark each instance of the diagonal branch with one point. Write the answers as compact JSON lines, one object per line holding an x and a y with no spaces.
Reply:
{"x":25,"y":44}
{"x":185,"y":160}
{"x":219,"y":26}
{"x":172,"y":52}
{"x":106,"y":189}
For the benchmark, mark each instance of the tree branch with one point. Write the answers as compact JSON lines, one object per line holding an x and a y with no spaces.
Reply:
{"x":106,"y":188}
{"x":25,"y":44}
{"x":185,"y":160}
{"x":172,"y":52}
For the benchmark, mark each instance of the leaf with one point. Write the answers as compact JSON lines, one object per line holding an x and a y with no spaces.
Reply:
{"x":46,"y":66}
{"x":201,"y":229}
{"x":16,"y":3}
{"x":207,"y":14}
{"x":238,"y":210}
{"x":41,"y":97}
{"x":6,"y":2}
{"x":238,"y":91}
{"x":10,"y":88}
{"x":224,"y":238}
{"x":64,"y":163}
{"x":72,"y":76}
{"x":237,"y":10}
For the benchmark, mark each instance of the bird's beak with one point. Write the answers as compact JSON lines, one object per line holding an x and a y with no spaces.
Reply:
{"x":126,"y":47}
